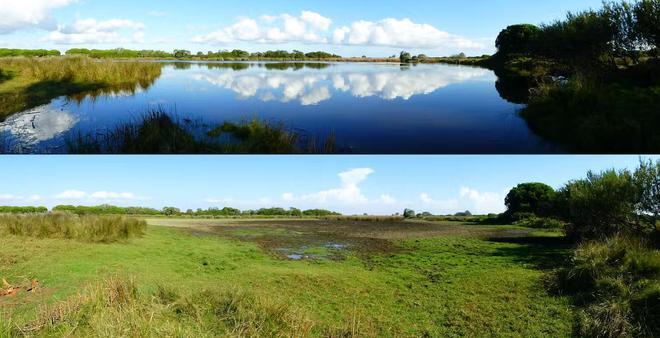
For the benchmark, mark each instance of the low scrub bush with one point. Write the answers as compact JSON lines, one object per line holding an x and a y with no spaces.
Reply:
{"x":616,"y":282}
{"x":541,"y":223}
{"x":69,"y":226}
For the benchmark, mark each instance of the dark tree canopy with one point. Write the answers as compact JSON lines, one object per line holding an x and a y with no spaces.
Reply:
{"x":518,"y":39}
{"x":534,"y":198}
{"x":647,"y":13}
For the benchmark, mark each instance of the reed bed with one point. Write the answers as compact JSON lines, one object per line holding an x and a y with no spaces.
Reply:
{"x":88,"y":228}
{"x":81,"y":69}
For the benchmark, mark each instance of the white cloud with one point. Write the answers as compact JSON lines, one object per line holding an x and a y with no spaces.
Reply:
{"x":21,"y":14}
{"x":348,"y":193}
{"x":288,"y":197}
{"x":6,"y":197}
{"x":316,"y":20}
{"x":98,"y":196}
{"x":468,"y":199}
{"x":71,"y":195}
{"x":157,"y":13}
{"x":91,"y":31}
{"x":34,"y":198}
{"x":438,"y":206}
{"x":272,"y":29}
{"x":484,"y":202}
{"x":386,"y":199}
{"x":108,"y":195}
{"x":402,"y":33}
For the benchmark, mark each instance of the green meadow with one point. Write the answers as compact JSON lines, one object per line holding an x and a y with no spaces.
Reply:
{"x":239,"y":278}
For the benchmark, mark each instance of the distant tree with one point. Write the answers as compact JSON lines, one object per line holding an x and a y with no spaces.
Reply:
{"x":405,"y":57}
{"x":518,"y":39}
{"x":409,"y":213}
{"x":295,"y":212}
{"x":422,"y":57}
{"x":534,"y":198}
{"x":426,"y":214}
{"x":466,"y":213}
{"x":171,"y":211}
{"x":180,"y":53}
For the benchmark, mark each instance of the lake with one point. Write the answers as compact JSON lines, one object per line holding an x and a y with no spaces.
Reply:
{"x":373,"y":108}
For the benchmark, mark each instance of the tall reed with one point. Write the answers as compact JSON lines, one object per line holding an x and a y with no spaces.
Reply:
{"x":88,"y":228}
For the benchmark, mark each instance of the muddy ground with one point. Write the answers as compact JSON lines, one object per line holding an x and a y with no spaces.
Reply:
{"x":321,"y":239}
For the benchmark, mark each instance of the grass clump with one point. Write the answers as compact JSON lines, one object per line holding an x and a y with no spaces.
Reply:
{"x":616,"y":283}
{"x":159,"y":133}
{"x":89,"y":228}
{"x":29,"y":82}
{"x":116,"y":307}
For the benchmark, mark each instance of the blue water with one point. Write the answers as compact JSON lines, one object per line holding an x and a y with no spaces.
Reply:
{"x":370,"y":108}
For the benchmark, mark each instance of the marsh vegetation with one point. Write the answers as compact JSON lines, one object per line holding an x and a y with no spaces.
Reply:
{"x":30,"y":82}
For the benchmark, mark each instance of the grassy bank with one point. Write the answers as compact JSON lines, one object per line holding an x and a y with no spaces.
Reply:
{"x":68,"y":226}
{"x":228,"y":281}
{"x":29,"y":82}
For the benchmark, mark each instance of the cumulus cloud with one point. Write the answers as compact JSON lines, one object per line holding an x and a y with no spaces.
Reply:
{"x":484,"y":202}
{"x":98,"y":195}
{"x":399,"y":33}
{"x":348,"y":193}
{"x":71,"y":195}
{"x":22,"y":14}
{"x":476,"y":201}
{"x":272,"y":29}
{"x":91,"y":31}
{"x":39,"y":124}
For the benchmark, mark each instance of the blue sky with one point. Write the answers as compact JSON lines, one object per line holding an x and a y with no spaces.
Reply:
{"x":349,"y":184}
{"x":348,"y":27}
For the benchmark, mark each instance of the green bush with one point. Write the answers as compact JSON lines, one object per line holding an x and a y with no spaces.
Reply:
{"x":599,"y":206}
{"x":541,"y":223}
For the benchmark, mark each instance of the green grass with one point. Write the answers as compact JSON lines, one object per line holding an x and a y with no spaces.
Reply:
{"x":452,"y":285}
{"x":29,"y":82}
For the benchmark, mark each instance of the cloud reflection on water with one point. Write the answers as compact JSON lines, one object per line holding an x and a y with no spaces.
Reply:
{"x":315,"y":86}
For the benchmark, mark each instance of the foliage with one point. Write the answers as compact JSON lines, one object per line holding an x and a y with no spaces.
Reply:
{"x":405,"y":57}
{"x":599,"y":206}
{"x":182,"y":53}
{"x":540,"y":223}
{"x":617,"y":284}
{"x":647,"y":181}
{"x":647,"y":14}
{"x":518,"y":39}
{"x":534,"y":198}
{"x":119,"y":53}
{"x":69,"y":226}
{"x":22,"y":210}
{"x":5,"y":52}
{"x":106,"y":209}
{"x":409,"y":213}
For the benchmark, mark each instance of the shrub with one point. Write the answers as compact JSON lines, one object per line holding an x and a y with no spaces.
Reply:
{"x":541,"y":223}
{"x":599,"y":206}
{"x":518,"y":39}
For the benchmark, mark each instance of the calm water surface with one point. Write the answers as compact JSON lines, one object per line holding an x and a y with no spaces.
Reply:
{"x":371,"y":108}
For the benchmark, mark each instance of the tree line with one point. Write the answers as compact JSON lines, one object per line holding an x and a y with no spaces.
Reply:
{"x":235,"y":54}
{"x":618,"y":29}
{"x":107,"y":209}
